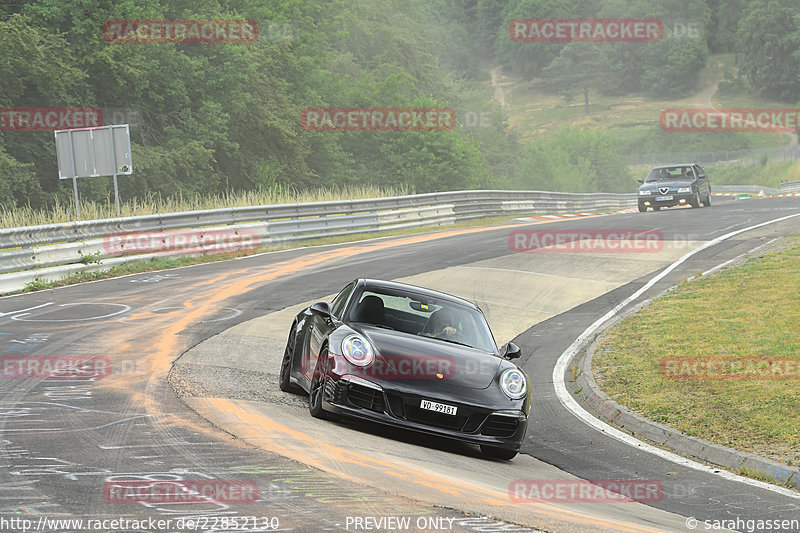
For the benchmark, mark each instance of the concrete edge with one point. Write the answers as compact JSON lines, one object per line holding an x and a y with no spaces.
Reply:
{"x":612,"y":412}
{"x":16,"y":281}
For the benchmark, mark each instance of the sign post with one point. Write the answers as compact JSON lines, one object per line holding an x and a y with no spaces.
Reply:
{"x":91,"y":152}
{"x":74,"y":176}
{"x":116,"y":188}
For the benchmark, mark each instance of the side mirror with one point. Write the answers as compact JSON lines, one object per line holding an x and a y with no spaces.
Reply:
{"x":322,"y":309}
{"x":640,"y":180}
{"x":510,"y":351}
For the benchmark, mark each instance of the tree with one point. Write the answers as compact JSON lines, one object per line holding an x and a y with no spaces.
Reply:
{"x":18,"y":184}
{"x":768,"y":47}
{"x":527,"y":59}
{"x":722,"y":34}
{"x":37,"y":69}
{"x":578,"y":68}
{"x":574,"y":160}
{"x":667,"y":67}
{"x":673,"y":65}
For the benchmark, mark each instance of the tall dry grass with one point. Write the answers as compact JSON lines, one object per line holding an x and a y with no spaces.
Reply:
{"x":155,"y":204}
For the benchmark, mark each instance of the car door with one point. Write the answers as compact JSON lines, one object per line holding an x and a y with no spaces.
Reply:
{"x":319,"y":328}
{"x":703,"y":184}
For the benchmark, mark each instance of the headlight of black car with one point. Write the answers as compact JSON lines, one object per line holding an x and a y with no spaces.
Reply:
{"x":513,"y":383}
{"x":357,"y":350}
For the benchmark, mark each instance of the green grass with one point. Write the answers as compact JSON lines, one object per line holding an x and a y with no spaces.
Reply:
{"x":769,"y":175}
{"x":743,"y":312}
{"x":742,"y":95}
{"x":762,"y":477}
{"x":535,"y":113}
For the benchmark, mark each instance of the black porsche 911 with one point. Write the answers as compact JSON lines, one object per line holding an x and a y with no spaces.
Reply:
{"x":412,"y":358}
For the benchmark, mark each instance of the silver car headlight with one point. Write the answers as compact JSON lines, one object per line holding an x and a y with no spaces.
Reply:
{"x":644,"y":193}
{"x":357,"y":350}
{"x":514,"y":384}
{"x":684,"y":189}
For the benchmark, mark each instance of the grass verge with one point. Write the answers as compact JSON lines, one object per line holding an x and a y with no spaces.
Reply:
{"x":768,"y":174}
{"x":741,"y":312}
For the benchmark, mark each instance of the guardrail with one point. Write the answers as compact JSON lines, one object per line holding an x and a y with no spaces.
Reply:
{"x":744,"y":188}
{"x":51,"y":252}
{"x":790,"y":186}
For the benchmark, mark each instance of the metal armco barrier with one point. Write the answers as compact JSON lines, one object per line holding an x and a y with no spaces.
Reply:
{"x":744,"y":188}
{"x":53,"y":251}
{"x":790,"y":186}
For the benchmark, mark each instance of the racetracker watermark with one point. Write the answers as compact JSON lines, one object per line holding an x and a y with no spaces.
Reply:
{"x":194,"y":241}
{"x":55,"y":367}
{"x":180,"y":492}
{"x":403,"y":367}
{"x":684,"y":29}
{"x":615,"y":30}
{"x":586,"y":241}
{"x":730,"y":120}
{"x":377,"y":119}
{"x":49,"y":118}
{"x":476,"y":119}
{"x":715,"y":368}
{"x":122,"y":115}
{"x":586,"y":491}
{"x":124,"y":31}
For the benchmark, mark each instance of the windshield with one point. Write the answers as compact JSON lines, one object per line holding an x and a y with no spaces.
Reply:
{"x":672,"y":173}
{"x":425,"y":316}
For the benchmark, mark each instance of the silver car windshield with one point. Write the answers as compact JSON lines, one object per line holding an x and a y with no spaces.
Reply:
{"x":669,"y":174}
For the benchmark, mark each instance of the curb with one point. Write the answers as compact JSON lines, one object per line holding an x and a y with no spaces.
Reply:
{"x":608,"y":410}
{"x":578,"y":215}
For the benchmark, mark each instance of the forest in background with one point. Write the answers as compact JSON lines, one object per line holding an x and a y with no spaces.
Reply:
{"x":218,"y":118}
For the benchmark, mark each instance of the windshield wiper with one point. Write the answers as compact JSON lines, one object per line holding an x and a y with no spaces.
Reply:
{"x":451,"y":341}
{"x":381,"y":326}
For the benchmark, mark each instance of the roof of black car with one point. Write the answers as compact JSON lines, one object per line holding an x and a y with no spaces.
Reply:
{"x":382,"y":284}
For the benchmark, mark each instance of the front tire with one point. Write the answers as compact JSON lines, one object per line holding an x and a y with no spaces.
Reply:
{"x":317,"y":388}
{"x":284,"y":377}
{"x":707,"y":202}
{"x":642,"y":208}
{"x":695,"y":201}
{"x":493,"y":452}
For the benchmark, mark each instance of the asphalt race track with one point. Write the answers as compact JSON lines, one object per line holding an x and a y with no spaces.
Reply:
{"x":189,"y":392}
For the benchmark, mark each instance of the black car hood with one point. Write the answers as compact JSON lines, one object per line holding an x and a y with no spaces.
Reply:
{"x":672,"y":184}
{"x":461,"y":366}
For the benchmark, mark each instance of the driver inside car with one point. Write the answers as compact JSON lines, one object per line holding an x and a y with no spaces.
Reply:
{"x":443,"y":324}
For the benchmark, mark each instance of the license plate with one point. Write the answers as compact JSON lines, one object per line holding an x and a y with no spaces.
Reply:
{"x":663,"y":198}
{"x":438,"y":407}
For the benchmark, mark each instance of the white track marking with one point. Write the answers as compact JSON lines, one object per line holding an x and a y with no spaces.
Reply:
{"x":125,"y":310}
{"x":574,"y":407}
